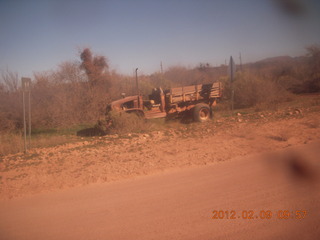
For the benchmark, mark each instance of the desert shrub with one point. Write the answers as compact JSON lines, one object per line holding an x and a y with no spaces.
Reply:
{"x":66,"y":97}
{"x":121,"y":123}
{"x":10,"y":102}
{"x":7,"y":124}
{"x":10,"y":143}
{"x":252,"y":91}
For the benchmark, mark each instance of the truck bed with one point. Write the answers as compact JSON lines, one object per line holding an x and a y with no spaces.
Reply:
{"x":195,"y":92}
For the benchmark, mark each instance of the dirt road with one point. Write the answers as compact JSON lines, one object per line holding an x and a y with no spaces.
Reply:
{"x":180,"y":204}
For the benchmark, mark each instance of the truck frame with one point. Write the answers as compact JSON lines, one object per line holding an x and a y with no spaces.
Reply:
{"x":198,"y":99}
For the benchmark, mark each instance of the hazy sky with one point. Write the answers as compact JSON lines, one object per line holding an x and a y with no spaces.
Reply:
{"x":38,"y":35}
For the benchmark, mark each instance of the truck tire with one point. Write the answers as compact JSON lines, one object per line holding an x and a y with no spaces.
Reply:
{"x":201,"y":112}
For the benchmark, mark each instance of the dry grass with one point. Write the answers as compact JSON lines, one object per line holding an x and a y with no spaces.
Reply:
{"x":52,"y":140}
{"x":271,"y":106}
{"x":13,"y":143}
{"x":10,"y":143}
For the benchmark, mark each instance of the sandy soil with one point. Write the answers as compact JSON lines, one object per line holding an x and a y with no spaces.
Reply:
{"x":183,"y":204}
{"x":110,"y":158}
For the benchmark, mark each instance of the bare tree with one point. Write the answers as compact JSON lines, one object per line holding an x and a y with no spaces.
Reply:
{"x":10,"y":80}
{"x":69,"y":72}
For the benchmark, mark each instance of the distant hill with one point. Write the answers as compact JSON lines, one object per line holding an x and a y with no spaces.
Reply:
{"x":276,"y":62}
{"x":276,"y":59}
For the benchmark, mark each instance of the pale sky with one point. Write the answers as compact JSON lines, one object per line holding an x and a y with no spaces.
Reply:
{"x":38,"y":35}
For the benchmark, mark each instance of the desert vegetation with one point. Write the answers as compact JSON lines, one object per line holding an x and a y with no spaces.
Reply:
{"x":76,"y":93}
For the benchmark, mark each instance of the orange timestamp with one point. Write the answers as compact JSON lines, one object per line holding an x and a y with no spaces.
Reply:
{"x":260,"y":214}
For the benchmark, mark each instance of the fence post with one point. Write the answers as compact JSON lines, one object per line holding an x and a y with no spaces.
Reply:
{"x":26,"y":82}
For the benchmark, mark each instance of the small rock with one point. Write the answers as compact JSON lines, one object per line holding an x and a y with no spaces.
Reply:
{"x":239,"y":120}
{"x":239,"y":114}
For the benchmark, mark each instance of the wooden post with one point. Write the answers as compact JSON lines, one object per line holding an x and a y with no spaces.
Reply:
{"x":26,"y":82}
{"x":232,"y":70}
{"x":24,"y":123}
{"x":29,"y":118}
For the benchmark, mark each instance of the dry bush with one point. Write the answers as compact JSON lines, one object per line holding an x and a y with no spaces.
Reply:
{"x":50,"y":140}
{"x":314,"y":61}
{"x":307,"y":73}
{"x":9,"y":120}
{"x":158,"y":80}
{"x":10,"y":103}
{"x":66,"y":97}
{"x":10,"y":81}
{"x":252,"y":91}
{"x":182,"y":76}
{"x":59,"y":98}
{"x":121,"y":123}
{"x":10,"y":143}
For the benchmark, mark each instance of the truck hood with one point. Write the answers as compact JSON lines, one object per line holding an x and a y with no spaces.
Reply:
{"x":117,"y":104}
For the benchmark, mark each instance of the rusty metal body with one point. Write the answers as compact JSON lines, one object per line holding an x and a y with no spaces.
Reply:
{"x":185,"y":98}
{"x":173,"y":102}
{"x":131,"y":102}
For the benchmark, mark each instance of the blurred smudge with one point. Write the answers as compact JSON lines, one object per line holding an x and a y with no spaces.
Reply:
{"x":294,"y":165}
{"x":299,"y":168}
{"x":293,"y":8}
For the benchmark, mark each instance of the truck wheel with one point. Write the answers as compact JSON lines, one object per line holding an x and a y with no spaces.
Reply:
{"x":201,"y":112}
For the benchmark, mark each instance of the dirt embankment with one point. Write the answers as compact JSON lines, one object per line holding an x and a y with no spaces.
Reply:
{"x":110,"y":158}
